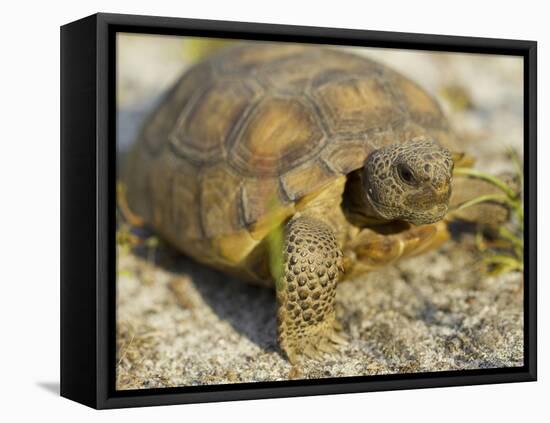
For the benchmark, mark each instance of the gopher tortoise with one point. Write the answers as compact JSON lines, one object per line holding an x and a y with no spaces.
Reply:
{"x":295,"y":166}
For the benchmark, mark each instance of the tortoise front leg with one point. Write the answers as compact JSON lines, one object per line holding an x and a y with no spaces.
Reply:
{"x":307,"y":287}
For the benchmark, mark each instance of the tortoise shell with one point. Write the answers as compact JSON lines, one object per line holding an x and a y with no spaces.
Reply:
{"x":246,"y":137}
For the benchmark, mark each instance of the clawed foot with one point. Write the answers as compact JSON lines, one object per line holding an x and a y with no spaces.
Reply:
{"x":328,"y":341}
{"x":316,"y":347}
{"x":315,"y":343}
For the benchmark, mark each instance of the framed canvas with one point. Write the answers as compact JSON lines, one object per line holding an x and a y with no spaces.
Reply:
{"x":257,"y":211}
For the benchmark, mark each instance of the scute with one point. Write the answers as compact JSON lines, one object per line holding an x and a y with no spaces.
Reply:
{"x":219,"y":201}
{"x":355,"y":106}
{"x":185,"y":189}
{"x":280,"y":133}
{"x":245,"y":58}
{"x":173,"y":187}
{"x":304,"y":179}
{"x":203,"y":128}
{"x":344,"y":156}
{"x":338,"y":65}
{"x":154,"y":133}
{"x":258,"y":197}
{"x":291,"y":79}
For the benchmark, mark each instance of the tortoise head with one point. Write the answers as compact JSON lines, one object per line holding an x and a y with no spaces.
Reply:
{"x":409,"y":182}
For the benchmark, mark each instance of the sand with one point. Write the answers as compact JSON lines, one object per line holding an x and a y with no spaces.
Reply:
{"x":182,"y":324}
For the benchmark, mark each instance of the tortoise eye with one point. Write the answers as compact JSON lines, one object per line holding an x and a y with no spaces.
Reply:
{"x":405,"y":173}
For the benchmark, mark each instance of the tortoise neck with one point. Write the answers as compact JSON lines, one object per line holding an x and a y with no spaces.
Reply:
{"x":355,"y":205}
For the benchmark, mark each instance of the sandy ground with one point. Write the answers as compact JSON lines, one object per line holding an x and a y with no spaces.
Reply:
{"x":180,"y":323}
{"x":420,"y":315}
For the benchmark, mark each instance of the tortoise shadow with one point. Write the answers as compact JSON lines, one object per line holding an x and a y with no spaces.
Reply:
{"x":251,"y":310}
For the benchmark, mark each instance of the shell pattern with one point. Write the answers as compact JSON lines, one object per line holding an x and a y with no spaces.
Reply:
{"x":255,"y":128}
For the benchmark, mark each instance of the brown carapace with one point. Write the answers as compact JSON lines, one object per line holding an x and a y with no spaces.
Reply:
{"x":347,"y":160}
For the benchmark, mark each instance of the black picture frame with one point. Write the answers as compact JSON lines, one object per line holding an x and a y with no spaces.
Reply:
{"x":88,"y":131}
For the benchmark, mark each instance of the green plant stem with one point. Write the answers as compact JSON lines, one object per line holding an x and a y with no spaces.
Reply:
{"x":512,"y":200}
{"x":517,"y":163}
{"x":508,"y":235}
{"x":508,"y":261}
{"x":486,"y":198}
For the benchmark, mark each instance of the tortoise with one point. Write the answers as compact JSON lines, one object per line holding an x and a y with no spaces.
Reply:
{"x":295,"y":166}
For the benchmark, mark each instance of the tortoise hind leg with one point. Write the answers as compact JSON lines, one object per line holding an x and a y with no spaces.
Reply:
{"x":306,"y":289}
